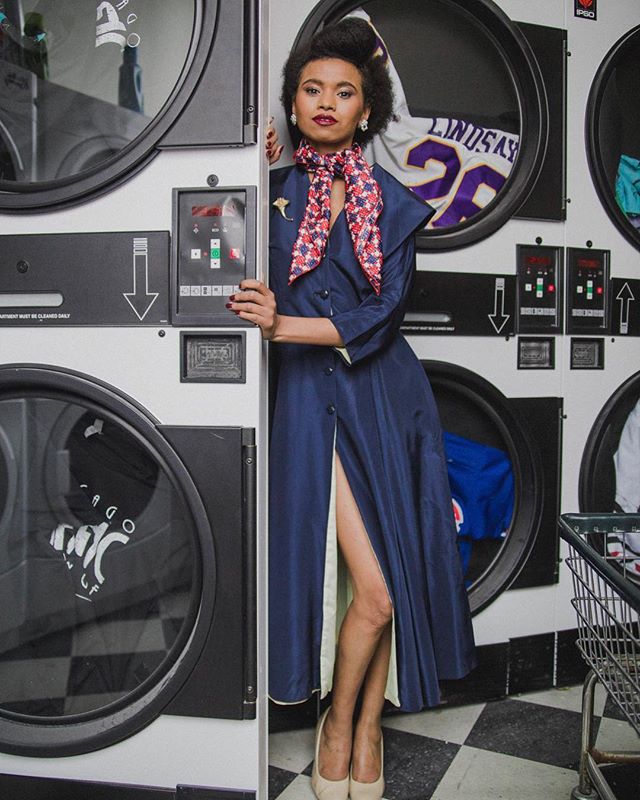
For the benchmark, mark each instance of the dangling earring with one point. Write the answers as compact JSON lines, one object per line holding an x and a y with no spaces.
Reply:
{"x":293,"y":118}
{"x":363,"y":125}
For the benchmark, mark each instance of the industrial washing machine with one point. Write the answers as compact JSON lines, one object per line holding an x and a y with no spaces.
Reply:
{"x":480,"y":132}
{"x":132,"y":410}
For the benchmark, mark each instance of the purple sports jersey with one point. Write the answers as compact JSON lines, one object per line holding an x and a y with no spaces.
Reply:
{"x":458,"y":167}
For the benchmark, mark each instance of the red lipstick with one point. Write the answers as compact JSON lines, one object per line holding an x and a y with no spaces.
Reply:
{"x":324,"y":119}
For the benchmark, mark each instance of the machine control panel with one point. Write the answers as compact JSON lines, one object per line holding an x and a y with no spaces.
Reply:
{"x":539,"y":275}
{"x":587,"y":290}
{"x":213,"y":251}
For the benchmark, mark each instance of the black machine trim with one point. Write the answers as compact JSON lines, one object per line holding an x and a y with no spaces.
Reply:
{"x":31,"y":788}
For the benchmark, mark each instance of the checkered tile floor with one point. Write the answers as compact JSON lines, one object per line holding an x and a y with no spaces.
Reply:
{"x":525,"y":747}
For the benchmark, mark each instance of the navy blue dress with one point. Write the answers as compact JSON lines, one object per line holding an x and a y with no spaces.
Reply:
{"x":373,"y":406}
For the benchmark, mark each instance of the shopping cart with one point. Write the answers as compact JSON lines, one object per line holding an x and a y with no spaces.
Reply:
{"x":605,"y":567}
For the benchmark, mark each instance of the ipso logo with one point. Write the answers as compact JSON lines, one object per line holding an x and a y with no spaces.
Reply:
{"x":586,"y":9}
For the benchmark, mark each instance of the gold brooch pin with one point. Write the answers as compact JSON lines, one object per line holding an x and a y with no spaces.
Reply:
{"x":281,"y":203}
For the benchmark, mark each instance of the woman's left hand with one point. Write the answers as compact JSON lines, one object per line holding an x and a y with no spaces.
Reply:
{"x":273,"y":148}
{"x":256,"y":303}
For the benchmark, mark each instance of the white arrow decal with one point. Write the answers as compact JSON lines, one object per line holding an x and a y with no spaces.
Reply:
{"x":140,"y":299}
{"x":625,"y":296}
{"x":498,"y":315}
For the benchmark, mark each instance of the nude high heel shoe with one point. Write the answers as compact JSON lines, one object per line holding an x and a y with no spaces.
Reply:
{"x":322,"y":788}
{"x":368,"y":791}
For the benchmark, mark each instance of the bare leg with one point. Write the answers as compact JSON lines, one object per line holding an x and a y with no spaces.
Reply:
{"x":364,"y":626}
{"x":365,"y":756}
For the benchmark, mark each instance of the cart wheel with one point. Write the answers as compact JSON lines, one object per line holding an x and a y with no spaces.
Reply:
{"x":576,"y":794}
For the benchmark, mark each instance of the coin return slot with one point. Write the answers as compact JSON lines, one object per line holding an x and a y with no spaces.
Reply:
{"x":213,"y":358}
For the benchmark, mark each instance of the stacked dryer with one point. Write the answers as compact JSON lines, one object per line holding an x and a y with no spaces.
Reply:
{"x":601,"y":440}
{"x":512,"y":287}
{"x":132,"y":409}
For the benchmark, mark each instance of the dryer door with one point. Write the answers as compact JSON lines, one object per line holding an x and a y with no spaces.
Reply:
{"x":613,"y":134}
{"x":610,"y":472}
{"x":470,"y":124}
{"x":503,"y":494}
{"x":94,"y":88}
{"x":610,"y":468}
{"x":104,"y":545}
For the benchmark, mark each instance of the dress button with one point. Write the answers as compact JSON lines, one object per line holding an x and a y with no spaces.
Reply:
{"x":324,"y":294}
{"x":331,"y":409}
{"x":328,"y":370}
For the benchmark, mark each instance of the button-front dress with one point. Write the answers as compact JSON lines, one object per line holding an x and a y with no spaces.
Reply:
{"x":370,"y":402}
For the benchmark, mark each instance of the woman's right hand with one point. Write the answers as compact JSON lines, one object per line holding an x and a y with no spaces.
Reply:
{"x":272,"y":147}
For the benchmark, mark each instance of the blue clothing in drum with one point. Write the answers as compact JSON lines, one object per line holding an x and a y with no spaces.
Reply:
{"x":372,"y":404}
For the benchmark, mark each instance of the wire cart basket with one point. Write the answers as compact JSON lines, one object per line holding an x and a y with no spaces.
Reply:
{"x":605,"y":567}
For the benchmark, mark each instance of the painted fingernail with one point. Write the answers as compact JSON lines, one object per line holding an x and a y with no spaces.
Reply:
{"x":227,"y":305}
{"x":232,"y":297}
{"x":270,"y":134}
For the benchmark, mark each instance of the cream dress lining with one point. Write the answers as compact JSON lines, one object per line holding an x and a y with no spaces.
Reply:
{"x":337,"y":594}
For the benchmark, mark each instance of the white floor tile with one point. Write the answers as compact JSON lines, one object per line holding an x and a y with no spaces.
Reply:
{"x":298,"y":789}
{"x":614,"y":735}
{"x":292,"y":750}
{"x":448,"y":724}
{"x":481,"y":775}
{"x":569,"y":698}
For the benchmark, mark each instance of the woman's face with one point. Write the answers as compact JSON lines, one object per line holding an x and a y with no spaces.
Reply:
{"x":329,"y":104}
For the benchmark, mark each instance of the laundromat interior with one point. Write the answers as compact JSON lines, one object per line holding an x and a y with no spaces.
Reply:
{"x":134,"y":408}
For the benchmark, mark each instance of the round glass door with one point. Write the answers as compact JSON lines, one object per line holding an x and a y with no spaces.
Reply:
{"x":613,"y":134}
{"x":470,"y":121}
{"x":101,"y":556}
{"x":495,"y":475}
{"x":610,"y":472}
{"x":82,"y":84}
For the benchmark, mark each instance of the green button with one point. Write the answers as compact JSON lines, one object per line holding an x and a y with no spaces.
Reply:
{"x":215,"y":252}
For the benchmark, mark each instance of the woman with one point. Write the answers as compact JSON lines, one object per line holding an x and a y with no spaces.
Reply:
{"x":356,"y":452}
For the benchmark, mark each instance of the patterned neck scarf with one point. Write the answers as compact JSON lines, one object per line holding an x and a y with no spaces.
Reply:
{"x":363,"y":204}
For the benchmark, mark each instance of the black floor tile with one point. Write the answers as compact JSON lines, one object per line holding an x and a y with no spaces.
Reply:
{"x":613,"y":710}
{"x":623,"y":780}
{"x":527,"y":730}
{"x":279,"y":779}
{"x":414,"y":765}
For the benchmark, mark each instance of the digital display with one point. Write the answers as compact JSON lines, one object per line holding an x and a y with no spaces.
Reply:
{"x":590,"y":263}
{"x":207,"y":211}
{"x":539,"y":261}
{"x":229,"y":209}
